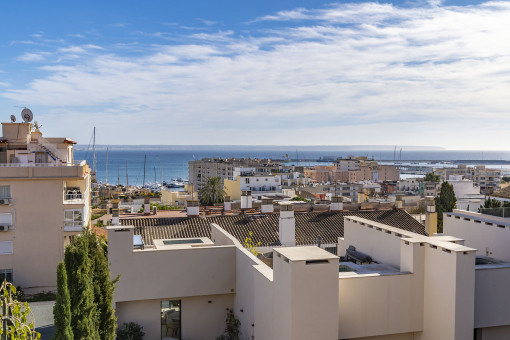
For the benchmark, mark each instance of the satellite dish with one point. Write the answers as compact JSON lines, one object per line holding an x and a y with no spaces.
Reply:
{"x":27,"y":115}
{"x":13,"y":119}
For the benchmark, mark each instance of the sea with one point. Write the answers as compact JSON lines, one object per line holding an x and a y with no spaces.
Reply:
{"x":123,"y":164}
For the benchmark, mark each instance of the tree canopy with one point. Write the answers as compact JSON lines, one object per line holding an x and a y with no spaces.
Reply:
{"x":432,"y":177}
{"x":445,"y":202}
{"x":90,"y":291}
{"x":212,"y":192}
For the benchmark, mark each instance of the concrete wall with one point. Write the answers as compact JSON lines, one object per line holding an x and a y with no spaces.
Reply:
{"x":490,"y":235}
{"x":374,"y":305}
{"x":383,"y":245}
{"x":200,"y":315}
{"x":492,"y":299}
{"x":177,"y":272}
{"x":494,"y":333}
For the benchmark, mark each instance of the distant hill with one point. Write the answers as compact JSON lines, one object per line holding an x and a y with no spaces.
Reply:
{"x":266,"y":147}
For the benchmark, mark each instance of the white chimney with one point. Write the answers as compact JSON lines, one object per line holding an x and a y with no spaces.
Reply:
{"x":192,"y":208}
{"x":337,"y":203}
{"x":398,"y":202}
{"x":267,"y":206}
{"x":287,"y":224}
{"x":227,"y":205}
{"x":115,"y":213}
{"x":246,"y":202}
{"x":147,"y":206}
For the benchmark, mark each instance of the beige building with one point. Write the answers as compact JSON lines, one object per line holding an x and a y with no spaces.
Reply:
{"x":44,"y":202}
{"x":203,"y":169}
{"x":387,"y":283}
{"x":487,"y":179}
{"x":178,"y":198}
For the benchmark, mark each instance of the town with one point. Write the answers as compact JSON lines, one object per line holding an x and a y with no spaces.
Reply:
{"x":342,"y":251}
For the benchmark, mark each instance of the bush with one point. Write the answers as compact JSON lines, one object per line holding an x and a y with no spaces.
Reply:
{"x":299,"y":198}
{"x":130,"y":331}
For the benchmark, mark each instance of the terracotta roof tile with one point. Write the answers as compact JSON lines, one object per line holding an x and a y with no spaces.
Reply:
{"x":328,"y":225}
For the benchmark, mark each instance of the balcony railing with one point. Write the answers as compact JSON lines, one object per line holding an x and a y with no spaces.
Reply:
{"x":40,"y":165}
{"x":73,"y":225}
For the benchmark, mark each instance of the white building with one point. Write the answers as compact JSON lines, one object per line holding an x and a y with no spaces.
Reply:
{"x":397,"y":284}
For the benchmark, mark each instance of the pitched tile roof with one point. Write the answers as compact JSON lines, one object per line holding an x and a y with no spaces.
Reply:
{"x":328,"y":225}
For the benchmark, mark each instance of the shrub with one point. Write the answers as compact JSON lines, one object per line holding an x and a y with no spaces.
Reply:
{"x":130,"y":331}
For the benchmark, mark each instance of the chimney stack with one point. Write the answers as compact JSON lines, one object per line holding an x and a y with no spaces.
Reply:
{"x":115,"y":212}
{"x":227,"y":205}
{"x":398,"y":202}
{"x":192,"y":208}
{"x":430,"y":216}
{"x":337,"y":203}
{"x":147,"y":206}
{"x":267,"y":206}
{"x":246,"y":202}
{"x":287,"y":224}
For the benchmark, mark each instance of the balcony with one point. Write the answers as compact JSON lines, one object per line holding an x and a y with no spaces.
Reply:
{"x":43,"y":170}
{"x":76,"y":226}
{"x":73,"y":196}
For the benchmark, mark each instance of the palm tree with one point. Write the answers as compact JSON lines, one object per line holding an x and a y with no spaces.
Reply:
{"x":212,"y":192}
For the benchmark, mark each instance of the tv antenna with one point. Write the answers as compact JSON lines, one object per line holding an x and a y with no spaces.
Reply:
{"x":13,"y":119}
{"x":27,"y":115}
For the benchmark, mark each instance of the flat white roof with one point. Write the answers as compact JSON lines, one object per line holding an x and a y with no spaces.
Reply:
{"x":306,"y":253}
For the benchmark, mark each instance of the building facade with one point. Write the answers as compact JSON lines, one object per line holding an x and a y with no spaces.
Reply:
{"x":44,"y":203}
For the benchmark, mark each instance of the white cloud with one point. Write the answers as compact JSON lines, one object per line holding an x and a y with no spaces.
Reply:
{"x":364,"y":73}
{"x":29,"y":57}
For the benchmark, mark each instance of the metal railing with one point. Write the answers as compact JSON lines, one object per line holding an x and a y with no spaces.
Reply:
{"x":40,"y":165}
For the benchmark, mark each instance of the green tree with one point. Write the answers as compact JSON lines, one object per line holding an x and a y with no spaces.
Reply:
{"x":62,"y":308}
{"x":432,"y":177}
{"x":79,"y":273}
{"x":212,"y":192}
{"x":445,"y":202}
{"x":103,"y":286}
{"x":491,"y":203}
{"x":14,"y":316}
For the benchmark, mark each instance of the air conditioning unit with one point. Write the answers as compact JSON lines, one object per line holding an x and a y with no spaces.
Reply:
{"x":4,"y":201}
{"x":4,"y":228}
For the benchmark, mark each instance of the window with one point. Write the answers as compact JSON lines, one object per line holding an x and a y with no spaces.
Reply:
{"x":6,"y":274}
{"x":5,"y":219}
{"x":171,"y":319}
{"x":247,"y":180}
{"x":5,"y":191}
{"x":73,"y":218}
{"x":5,"y":247}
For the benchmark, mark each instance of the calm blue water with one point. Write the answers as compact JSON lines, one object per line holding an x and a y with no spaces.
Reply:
{"x":164,"y":164}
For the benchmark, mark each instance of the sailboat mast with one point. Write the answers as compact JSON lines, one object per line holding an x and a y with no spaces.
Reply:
{"x":155,"y":174}
{"x":106,"y":165}
{"x":144,"y":162}
{"x":94,"y":151}
{"x":127,"y":176}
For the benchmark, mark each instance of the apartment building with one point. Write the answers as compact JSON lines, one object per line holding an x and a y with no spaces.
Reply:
{"x":409,"y":184}
{"x":429,"y":188}
{"x":201,"y":170}
{"x":388,"y":281}
{"x":487,"y":179}
{"x":247,"y":179}
{"x":351,"y":171}
{"x":44,"y":202}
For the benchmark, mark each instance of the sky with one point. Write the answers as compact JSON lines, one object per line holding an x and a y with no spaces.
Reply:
{"x":267,"y":72}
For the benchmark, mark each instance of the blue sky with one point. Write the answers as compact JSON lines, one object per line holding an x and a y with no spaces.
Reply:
{"x":260,"y":72}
